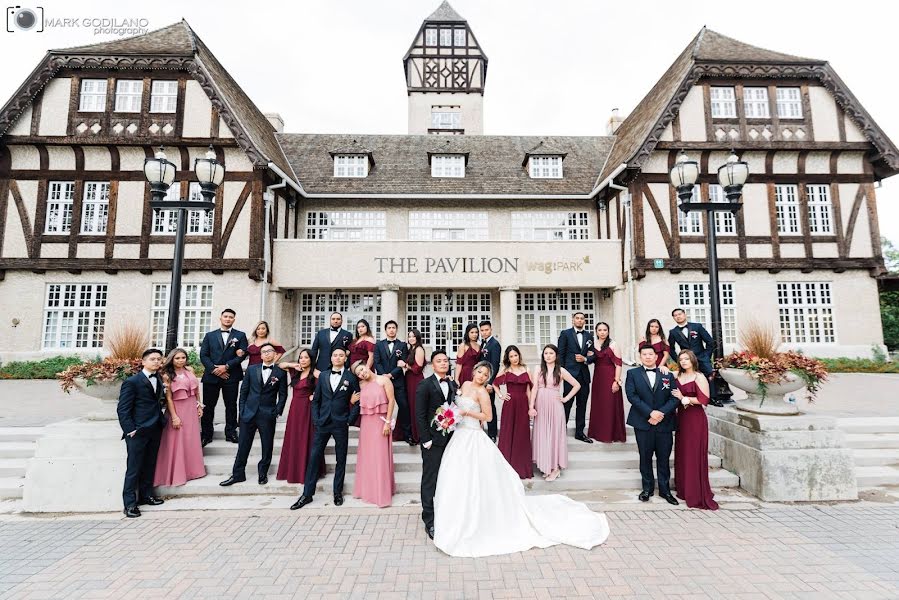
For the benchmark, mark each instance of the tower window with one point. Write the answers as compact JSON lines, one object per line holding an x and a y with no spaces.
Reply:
{"x":459,"y":37}
{"x":446,"y":117}
{"x":446,"y":37}
{"x":430,"y":37}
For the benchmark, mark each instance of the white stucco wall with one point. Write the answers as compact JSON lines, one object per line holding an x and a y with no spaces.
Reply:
{"x":692,"y":116}
{"x":825,"y":117}
{"x":55,"y":106}
{"x":197,"y":111}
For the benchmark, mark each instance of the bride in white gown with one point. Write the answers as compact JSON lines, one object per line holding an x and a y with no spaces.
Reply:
{"x":480,"y":508}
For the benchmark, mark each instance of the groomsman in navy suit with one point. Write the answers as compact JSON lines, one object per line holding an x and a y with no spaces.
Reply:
{"x":694,"y":337}
{"x":326,"y":340}
{"x":262,"y":398}
{"x":574,"y":344}
{"x":653,"y":418}
{"x":492,"y":352}
{"x":387,"y":352}
{"x":221,"y":353}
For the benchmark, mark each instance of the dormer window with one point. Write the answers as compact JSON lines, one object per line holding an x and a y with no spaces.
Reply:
{"x":448,"y":165}
{"x":350,"y":165}
{"x":545,"y":167}
{"x":430,"y":36}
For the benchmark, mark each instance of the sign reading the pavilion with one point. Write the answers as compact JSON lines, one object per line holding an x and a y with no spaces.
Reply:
{"x":461,"y":265}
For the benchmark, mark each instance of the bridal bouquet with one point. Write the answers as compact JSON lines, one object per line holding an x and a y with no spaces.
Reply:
{"x":445,"y":418}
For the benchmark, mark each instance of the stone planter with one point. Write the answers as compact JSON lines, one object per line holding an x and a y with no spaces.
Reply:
{"x":107,"y":392}
{"x":773,"y":402}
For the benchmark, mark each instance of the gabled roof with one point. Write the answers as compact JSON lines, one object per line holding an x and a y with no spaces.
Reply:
{"x":445,"y":14}
{"x":402,"y":165}
{"x":713,"y":54}
{"x":174,"y":40}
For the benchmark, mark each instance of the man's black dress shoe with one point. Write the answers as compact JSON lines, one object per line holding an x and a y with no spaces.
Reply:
{"x":231,"y":481}
{"x":430,"y":531}
{"x":338,"y":499}
{"x":411,"y":442}
{"x":670,"y":498}
{"x":644,"y":496}
{"x":716,"y":402}
{"x":493,"y":438}
{"x":301,"y":502}
{"x":231,"y":438}
{"x":206,"y":441}
{"x":151,"y":500}
{"x":583,"y":438}
{"x":263,"y":479}
{"x":131,"y":512}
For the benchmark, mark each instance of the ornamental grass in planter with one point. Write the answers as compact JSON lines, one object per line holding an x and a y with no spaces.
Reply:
{"x":126,"y":343}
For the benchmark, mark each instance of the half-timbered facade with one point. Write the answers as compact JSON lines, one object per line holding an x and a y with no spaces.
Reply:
{"x":435,"y":231}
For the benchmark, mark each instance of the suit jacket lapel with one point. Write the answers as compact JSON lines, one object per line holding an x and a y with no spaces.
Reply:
{"x":645,"y":377}
{"x":656,"y":384}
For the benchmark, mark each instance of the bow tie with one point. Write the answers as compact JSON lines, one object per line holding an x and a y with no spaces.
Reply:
{"x":579,"y":331}
{"x":153,"y":375}
{"x":335,"y":329}
{"x":336,"y":372}
{"x":268,"y":368}
{"x":444,"y":380}
{"x":649,"y":370}
{"x":225,"y":331}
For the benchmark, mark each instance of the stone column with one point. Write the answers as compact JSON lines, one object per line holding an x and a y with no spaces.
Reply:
{"x":390,"y":304}
{"x":508,"y":329}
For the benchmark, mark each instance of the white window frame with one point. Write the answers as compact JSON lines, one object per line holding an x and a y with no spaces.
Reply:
{"x":315,"y":310}
{"x":690,"y":223}
{"x":430,"y":36}
{"x":786,"y":205}
{"x":199,"y":221}
{"x":789,"y":103}
{"x":196,"y":304}
{"x":545,"y":167}
{"x":725,"y":221}
{"x":354,"y":225}
{"x":820,"y":209}
{"x":459,"y":35}
{"x":541,"y":315}
{"x":446,"y":119}
{"x":446,"y":37}
{"x":426,"y":310}
{"x":129,"y":95}
{"x":724,"y":102}
{"x":755,"y":103}
{"x":60,"y":199}
{"x":439,"y":225}
{"x":448,"y":165}
{"x":95,"y":207}
{"x":163,"y":96}
{"x":92,"y":96}
{"x":350,"y":165}
{"x":550,"y":225}
{"x":805,"y":311}
{"x":694,"y":298}
{"x":74,"y":315}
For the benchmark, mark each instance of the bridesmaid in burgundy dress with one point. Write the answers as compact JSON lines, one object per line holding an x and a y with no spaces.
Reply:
{"x":413,"y":365}
{"x":515,"y":434}
{"x":363,"y":346}
{"x":655,"y":337}
{"x":299,"y":430}
{"x":691,"y":444}
{"x":468,"y":354}
{"x":606,"y":402}
{"x":261,"y":336}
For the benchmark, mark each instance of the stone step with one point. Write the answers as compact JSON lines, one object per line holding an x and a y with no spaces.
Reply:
{"x":869,"y":424}
{"x":876,"y":457}
{"x":875,"y":476}
{"x":872,"y":440}
{"x":409,"y":482}
{"x":17,"y":449}
{"x":20,"y":434}
{"x":11,"y":487}
{"x":13,"y":467}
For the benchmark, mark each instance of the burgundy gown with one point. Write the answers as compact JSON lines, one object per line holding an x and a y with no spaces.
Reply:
{"x":414,"y":376}
{"x":691,"y":451}
{"x":359,"y":350}
{"x":466,"y":363}
{"x":606,"y":409}
{"x":515,"y":434}
{"x":298,"y":433}
{"x":661,"y":348}
{"x":256,"y":355}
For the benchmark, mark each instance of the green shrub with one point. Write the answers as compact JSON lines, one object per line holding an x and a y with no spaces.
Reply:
{"x":859,"y":365}
{"x":37,"y":369}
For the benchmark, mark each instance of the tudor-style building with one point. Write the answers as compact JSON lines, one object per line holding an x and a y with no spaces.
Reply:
{"x":435,"y":230}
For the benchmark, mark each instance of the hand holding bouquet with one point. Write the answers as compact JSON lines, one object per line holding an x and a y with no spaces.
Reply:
{"x":445,"y":418}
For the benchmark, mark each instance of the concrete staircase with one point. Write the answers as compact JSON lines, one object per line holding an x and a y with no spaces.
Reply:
{"x":875,"y":445}
{"x":591,"y":467}
{"x":17,"y":445}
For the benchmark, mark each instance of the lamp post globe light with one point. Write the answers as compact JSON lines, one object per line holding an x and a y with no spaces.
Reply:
{"x":160,"y":173}
{"x":732,"y":177}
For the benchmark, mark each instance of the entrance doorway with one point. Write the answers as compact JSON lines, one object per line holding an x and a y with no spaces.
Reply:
{"x":441,"y":317}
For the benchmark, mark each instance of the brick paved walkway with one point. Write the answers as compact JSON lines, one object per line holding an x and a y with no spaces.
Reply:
{"x":846,"y":551}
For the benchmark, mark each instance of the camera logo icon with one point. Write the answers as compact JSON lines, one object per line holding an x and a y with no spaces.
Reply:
{"x":20,"y":18}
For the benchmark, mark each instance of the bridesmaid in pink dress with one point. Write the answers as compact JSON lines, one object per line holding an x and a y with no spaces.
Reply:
{"x":260,"y":337}
{"x":606,"y":401}
{"x":654,"y":336}
{"x":550,"y":441}
{"x":374,"y":481}
{"x":691,"y":444}
{"x":299,"y":431}
{"x":515,"y":434}
{"x":468,"y":354}
{"x":180,"y":457}
{"x":413,"y":366}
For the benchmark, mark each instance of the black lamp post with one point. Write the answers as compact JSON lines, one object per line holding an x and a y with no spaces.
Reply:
{"x":161,"y":174}
{"x":732,"y":176}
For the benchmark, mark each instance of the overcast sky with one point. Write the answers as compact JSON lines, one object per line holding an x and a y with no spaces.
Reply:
{"x":555,"y":67}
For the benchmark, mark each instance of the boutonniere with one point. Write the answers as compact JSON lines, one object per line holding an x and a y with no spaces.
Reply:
{"x":666,"y":383}
{"x":272,"y":380}
{"x":399,"y":352}
{"x":694,"y":335}
{"x":232,"y":342}
{"x":588,"y":343}
{"x":344,"y":384}
{"x":484,"y":352}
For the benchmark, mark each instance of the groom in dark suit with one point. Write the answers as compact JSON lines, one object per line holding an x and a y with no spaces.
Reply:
{"x":574,"y":344}
{"x":142,"y":421}
{"x":326,"y":340}
{"x":429,"y":396}
{"x":262,"y":399}
{"x":492,"y":352}
{"x":387,"y":352}
{"x":694,"y":337}
{"x":335,"y":391}
{"x":221,"y":353}
{"x":652,"y":417}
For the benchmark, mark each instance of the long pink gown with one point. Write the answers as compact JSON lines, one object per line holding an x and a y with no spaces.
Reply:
{"x":550,"y":443}
{"x":180,"y":457}
{"x":374,"y":481}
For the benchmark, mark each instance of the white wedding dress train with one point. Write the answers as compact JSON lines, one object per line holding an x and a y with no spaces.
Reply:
{"x":480,"y":508}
